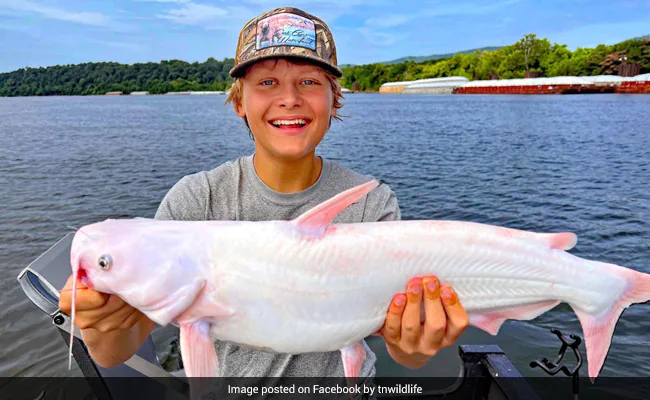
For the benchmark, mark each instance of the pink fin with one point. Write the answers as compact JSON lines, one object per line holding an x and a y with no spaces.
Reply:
{"x":315,"y":221}
{"x":353,"y":357}
{"x":561,"y":241}
{"x":491,"y":322}
{"x":197,"y":350}
{"x":598,"y":330}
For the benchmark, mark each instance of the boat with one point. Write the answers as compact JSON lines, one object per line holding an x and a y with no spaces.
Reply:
{"x":485,"y":370}
{"x":639,"y":84}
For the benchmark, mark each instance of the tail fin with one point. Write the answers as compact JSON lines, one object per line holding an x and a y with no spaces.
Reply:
{"x":598,"y":330}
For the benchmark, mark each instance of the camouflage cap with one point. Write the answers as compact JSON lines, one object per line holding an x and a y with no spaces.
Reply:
{"x":286,"y":32}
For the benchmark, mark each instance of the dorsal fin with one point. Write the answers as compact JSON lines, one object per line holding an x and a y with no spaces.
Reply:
{"x":315,"y":221}
{"x":561,"y":241}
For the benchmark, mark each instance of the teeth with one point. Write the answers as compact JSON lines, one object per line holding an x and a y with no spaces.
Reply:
{"x":279,"y":122}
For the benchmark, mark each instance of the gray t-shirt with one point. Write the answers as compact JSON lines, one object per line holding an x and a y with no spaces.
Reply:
{"x":233,"y":191}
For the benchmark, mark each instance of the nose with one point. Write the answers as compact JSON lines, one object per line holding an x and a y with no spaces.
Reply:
{"x":290,"y":97}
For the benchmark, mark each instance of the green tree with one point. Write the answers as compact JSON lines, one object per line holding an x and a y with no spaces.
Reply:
{"x":531,"y":49}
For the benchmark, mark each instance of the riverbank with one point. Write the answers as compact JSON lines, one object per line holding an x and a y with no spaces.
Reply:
{"x":639,"y":84}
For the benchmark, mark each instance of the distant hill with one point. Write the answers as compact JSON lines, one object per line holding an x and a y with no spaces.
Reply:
{"x":449,"y":55}
{"x":439,"y":56}
{"x":426,"y":58}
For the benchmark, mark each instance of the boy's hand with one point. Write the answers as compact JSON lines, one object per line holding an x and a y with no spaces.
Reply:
{"x":411,"y":341}
{"x":97,"y":310}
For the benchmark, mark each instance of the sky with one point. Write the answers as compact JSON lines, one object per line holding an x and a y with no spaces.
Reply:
{"x":39,"y":33}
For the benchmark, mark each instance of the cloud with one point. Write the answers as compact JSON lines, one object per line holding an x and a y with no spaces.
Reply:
{"x":16,"y":27}
{"x":195,"y":14}
{"x":469,"y":9}
{"x":86,"y":18}
{"x":162,"y":1}
{"x":311,"y":3}
{"x":379,"y":38}
{"x":387,"y":21}
{"x":133,"y":47}
{"x":607,"y":33}
{"x":372,"y":27}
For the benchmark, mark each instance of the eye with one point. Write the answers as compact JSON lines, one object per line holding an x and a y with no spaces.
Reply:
{"x":105,"y":261}
{"x":308,"y":82}
{"x":267,"y":82}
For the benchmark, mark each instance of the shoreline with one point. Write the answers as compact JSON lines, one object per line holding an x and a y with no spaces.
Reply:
{"x":639,"y":84}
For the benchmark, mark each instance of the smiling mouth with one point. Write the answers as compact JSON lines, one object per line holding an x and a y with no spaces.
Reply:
{"x":289,"y":124}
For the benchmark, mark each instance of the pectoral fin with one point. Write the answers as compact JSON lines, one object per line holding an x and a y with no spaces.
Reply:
{"x":197,"y":350}
{"x":353,"y":357}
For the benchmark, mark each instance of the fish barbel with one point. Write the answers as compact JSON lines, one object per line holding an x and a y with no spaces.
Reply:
{"x":308,"y":285}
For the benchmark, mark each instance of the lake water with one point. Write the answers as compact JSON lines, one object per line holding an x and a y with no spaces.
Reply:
{"x":556,"y":163}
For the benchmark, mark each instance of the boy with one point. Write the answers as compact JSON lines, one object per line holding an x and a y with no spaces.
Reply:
{"x":287,"y":92}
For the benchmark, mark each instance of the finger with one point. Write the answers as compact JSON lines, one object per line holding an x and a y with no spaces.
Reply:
{"x":116,"y":319}
{"x":65,"y":296}
{"x":457,"y":319}
{"x":393,"y":324}
{"x":410,"y":335}
{"x":133,"y":319}
{"x":435,"y":323}
{"x":90,"y":318}
{"x":88,"y":299}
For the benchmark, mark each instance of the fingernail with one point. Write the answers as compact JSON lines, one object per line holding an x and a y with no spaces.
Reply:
{"x":449,"y":296}
{"x":433,"y":288}
{"x":400,"y":300}
{"x":433,"y":285}
{"x":416,"y":287}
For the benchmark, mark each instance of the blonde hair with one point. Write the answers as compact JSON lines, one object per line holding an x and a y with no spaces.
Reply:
{"x":237,"y":91}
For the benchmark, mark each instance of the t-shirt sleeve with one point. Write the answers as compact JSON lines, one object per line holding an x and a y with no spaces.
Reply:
{"x":382,"y":205}
{"x":186,"y":200}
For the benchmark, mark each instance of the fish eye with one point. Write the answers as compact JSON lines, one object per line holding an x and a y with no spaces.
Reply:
{"x":105,"y":261}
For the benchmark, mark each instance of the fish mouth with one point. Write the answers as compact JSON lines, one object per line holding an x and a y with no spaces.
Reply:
{"x":82,"y":275}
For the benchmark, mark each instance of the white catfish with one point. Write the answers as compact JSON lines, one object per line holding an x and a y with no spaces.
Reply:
{"x":307,"y":285}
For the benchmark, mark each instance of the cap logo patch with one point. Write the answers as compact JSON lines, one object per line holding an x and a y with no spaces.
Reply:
{"x":285,"y":29}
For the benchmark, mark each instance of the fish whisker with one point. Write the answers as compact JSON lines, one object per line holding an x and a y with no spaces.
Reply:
{"x":79,"y":230}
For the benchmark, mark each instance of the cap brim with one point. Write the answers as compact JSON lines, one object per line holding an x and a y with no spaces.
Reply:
{"x":239,"y":70}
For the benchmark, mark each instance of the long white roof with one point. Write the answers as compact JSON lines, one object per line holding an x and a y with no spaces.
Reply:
{"x":556,"y":80}
{"x":428,"y":81}
{"x":642,"y":77}
{"x":604,"y":78}
{"x":457,"y":81}
{"x":451,"y":81}
{"x":400,"y":83}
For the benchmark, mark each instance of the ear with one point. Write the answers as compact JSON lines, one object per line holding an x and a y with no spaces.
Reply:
{"x":239,"y":109}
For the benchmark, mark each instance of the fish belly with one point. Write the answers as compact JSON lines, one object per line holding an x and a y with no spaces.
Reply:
{"x":296,"y":295}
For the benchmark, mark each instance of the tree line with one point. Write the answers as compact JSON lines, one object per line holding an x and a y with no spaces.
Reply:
{"x":100,"y":78}
{"x":529,"y":54}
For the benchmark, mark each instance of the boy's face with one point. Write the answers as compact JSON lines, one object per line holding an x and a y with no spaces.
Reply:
{"x":288,"y":107}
